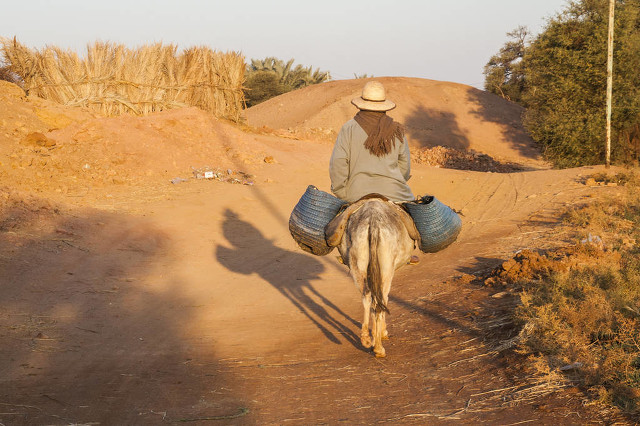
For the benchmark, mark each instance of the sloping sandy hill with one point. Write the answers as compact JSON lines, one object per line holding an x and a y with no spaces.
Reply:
{"x":47,"y":147}
{"x":434,"y":113}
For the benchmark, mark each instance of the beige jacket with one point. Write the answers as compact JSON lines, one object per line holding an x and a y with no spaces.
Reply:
{"x":355,"y":172}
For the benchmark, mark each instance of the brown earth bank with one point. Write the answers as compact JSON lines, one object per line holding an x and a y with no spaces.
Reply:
{"x":129,"y":299}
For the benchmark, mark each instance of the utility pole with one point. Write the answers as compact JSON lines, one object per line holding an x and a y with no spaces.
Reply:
{"x":612,"y":3}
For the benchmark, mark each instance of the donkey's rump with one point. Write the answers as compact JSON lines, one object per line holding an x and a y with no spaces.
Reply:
{"x":336,"y":227}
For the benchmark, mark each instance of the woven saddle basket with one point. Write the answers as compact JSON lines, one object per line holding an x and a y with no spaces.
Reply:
{"x":310,"y":216}
{"x":437,"y":223}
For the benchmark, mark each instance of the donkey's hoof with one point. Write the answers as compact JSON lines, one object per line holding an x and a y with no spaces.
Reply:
{"x":380,"y":353}
{"x":366,"y":341}
{"x":385,"y":335}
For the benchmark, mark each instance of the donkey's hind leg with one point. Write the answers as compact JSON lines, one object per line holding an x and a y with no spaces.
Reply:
{"x":377,"y":330}
{"x":380,"y":332}
{"x":360,"y":281}
{"x":383,"y":322}
{"x":383,"y":316}
{"x":365,"y":337}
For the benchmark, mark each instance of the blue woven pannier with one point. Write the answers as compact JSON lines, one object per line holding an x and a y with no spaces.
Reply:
{"x":437,"y":223}
{"x":310,"y":216}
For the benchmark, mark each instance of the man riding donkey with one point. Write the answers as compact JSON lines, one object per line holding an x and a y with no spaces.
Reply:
{"x":376,"y":221}
{"x":371,"y":153}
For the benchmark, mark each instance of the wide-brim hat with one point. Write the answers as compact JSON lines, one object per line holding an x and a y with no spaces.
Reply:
{"x":373,"y":98}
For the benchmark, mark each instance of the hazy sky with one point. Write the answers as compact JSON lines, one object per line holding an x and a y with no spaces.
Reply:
{"x":448,"y":40}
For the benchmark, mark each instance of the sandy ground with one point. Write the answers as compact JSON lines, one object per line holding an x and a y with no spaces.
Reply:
{"x":128,"y":299}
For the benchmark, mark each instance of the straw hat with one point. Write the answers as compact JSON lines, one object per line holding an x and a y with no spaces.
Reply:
{"x":373,"y":98}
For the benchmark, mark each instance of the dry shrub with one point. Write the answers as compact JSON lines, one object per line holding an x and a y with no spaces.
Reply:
{"x":617,"y":218}
{"x":113,"y":79}
{"x":580,"y":305}
{"x":588,"y":317}
{"x":451,"y":158}
{"x":7,"y":75}
{"x":621,"y":178}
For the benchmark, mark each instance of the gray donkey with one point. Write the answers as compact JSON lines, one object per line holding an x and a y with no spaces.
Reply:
{"x":375,"y":237}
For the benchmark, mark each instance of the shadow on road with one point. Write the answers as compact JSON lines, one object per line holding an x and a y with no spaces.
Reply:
{"x":90,"y":332}
{"x":252,"y":253}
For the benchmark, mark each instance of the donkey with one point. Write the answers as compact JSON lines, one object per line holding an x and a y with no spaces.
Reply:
{"x":375,"y":237}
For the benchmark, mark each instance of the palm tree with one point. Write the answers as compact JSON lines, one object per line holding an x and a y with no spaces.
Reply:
{"x":282,"y":76}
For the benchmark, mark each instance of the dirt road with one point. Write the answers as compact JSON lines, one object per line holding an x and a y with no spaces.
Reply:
{"x":127,"y":299}
{"x":198,"y":304}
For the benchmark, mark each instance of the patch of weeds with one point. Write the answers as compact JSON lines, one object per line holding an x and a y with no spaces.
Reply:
{"x":620,"y":178}
{"x":613,"y":218}
{"x":580,"y":305}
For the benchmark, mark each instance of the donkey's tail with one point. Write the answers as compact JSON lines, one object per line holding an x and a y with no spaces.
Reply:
{"x":374,"y":276}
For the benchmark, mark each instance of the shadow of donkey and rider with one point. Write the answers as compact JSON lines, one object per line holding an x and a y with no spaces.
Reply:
{"x":252,"y":253}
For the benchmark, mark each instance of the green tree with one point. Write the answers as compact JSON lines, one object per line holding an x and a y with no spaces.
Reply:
{"x":566,"y":83}
{"x":262,"y":85}
{"x":271,"y":77}
{"x":505,"y":71}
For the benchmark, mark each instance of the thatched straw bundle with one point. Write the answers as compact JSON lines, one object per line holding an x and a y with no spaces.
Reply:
{"x":113,"y":79}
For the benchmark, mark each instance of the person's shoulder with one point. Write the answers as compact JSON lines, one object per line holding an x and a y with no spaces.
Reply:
{"x":350,"y":124}
{"x":347,"y":128}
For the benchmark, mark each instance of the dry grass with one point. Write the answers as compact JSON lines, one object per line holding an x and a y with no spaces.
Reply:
{"x":582,"y":309}
{"x":7,"y":75}
{"x":451,"y":158}
{"x":580,"y":305}
{"x":113,"y":79}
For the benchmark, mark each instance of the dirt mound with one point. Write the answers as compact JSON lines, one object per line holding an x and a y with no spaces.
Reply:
{"x":451,"y":158}
{"x":21,"y":115}
{"x":434,"y":113}
{"x":533,"y":265}
{"x":165,"y":144}
{"x":49,"y":147}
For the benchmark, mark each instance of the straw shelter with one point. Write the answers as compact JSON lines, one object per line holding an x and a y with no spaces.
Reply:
{"x":113,"y":79}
